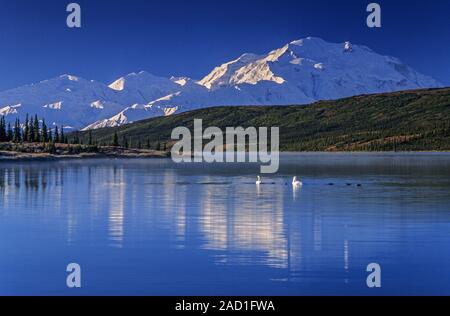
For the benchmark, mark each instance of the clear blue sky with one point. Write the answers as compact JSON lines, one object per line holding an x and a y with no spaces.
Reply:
{"x":190,"y":37}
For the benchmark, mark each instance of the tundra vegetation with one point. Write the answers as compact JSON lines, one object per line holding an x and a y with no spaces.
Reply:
{"x":416,"y":120}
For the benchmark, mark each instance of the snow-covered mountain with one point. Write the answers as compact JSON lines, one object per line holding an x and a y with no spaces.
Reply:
{"x":75,"y":102}
{"x":301,"y":72}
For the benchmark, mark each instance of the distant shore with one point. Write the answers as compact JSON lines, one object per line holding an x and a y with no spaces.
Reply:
{"x":12,"y":156}
{"x":83,"y":152}
{"x":38,"y":152}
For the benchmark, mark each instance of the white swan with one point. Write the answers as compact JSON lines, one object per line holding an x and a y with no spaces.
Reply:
{"x":258,"y":180}
{"x":296,"y":183}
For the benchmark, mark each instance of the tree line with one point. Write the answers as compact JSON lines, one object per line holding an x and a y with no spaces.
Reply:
{"x":32,"y":130}
{"x":131,"y":142}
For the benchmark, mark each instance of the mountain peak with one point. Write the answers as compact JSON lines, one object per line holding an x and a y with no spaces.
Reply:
{"x":118,"y":85}
{"x":69,"y":77}
{"x":309,"y":39}
{"x":141,"y":78}
{"x":139,"y":73}
{"x":182,"y":81}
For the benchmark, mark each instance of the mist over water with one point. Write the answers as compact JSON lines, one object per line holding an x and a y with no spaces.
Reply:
{"x":152,"y":227}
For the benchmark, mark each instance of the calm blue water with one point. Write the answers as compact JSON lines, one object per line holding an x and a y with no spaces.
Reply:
{"x":150,"y":227}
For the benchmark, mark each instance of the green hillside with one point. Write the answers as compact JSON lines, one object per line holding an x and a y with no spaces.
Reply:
{"x":404,"y":121}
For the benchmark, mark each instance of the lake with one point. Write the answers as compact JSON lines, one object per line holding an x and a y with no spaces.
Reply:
{"x":152,"y":227}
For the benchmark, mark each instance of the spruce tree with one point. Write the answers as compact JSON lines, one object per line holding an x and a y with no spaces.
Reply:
{"x":44,"y":131}
{"x":31,"y":131}
{"x":9,"y":133}
{"x":50,"y":135}
{"x":2,"y":129}
{"x":19,"y":130}
{"x":62,"y":136}
{"x":56,"y":139}
{"x":37,"y":136}
{"x":16,"y":132}
{"x":26,"y":130}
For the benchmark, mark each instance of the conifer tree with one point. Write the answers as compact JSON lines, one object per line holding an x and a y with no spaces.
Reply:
{"x":9,"y":133}
{"x":50,"y":135}
{"x":31,"y":131}
{"x":37,"y":136}
{"x":19,"y":131}
{"x":2,"y":129}
{"x":62,"y":136}
{"x":44,"y":131}
{"x":26,"y":129}
{"x":16,"y":138}
{"x":56,"y":139}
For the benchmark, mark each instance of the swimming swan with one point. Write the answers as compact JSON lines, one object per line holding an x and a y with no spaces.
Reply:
{"x":296,"y":183}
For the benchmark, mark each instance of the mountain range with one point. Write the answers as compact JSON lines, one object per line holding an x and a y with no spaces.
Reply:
{"x":301,"y":72}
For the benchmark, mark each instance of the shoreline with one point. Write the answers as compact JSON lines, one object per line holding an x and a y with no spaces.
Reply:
{"x":12,"y":156}
{"x":18,"y":156}
{"x":55,"y":152}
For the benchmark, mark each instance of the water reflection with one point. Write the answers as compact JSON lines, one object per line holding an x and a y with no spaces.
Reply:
{"x":222,"y":218}
{"x":235,"y":223}
{"x":117,"y":188}
{"x":296,"y":192}
{"x":229,"y":217}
